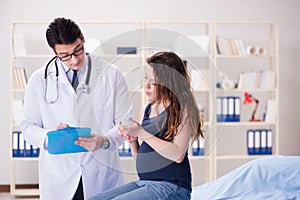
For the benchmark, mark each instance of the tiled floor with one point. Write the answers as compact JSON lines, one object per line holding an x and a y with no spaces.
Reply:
{"x":7,"y":196}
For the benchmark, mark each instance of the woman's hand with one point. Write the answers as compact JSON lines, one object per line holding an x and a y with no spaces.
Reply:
{"x":92,"y":144}
{"x":130,"y":131}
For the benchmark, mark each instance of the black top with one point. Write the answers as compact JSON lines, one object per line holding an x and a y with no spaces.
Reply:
{"x":151,"y":165}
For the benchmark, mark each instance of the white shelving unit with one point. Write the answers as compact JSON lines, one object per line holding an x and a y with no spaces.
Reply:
{"x":231,"y":147}
{"x":195,"y":42}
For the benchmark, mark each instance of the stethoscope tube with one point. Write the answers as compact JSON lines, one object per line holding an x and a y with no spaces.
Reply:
{"x":46,"y":70}
{"x":86,"y":88}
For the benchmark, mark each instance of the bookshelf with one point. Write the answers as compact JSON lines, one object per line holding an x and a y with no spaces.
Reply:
{"x":246,"y":69}
{"x":196,"y":42}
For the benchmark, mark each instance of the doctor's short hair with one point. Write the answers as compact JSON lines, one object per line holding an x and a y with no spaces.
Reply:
{"x":62,"y":31}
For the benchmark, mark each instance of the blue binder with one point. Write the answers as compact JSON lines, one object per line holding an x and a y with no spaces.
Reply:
{"x":125,"y":150}
{"x":15,"y":142}
{"x":250,"y":142}
{"x":62,"y":141}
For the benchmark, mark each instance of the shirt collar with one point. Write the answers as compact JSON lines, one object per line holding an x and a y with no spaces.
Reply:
{"x":81,"y":70}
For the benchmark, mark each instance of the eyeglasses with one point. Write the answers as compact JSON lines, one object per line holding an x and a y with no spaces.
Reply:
{"x":67,"y":57}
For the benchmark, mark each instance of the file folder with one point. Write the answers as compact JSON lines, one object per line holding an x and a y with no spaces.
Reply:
{"x":21,"y":145}
{"x":62,"y":141}
{"x":250,"y":142}
{"x":35,"y":151}
{"x":259,"y":142}
{"x":269,"y":142}
{"x":263,"y":136}
{"x":125,"y":150}
{"x":228,"y":109}
{"x":15,"y":142}
{"x":195,"y":148}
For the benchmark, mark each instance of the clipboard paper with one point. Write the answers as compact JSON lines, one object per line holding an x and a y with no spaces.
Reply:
{"x":61,"y":141}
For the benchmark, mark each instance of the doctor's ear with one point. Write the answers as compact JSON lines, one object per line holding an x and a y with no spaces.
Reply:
{"x":82,"y":39}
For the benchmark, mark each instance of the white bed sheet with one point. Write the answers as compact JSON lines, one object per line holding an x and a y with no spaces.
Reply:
{"x":274,"y":177}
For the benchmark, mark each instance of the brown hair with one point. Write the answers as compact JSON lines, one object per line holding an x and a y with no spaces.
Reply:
{"x":173,"y":84}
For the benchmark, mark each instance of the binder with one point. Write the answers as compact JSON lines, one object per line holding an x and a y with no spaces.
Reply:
{"x":195,"y":148}
{"x":201,"y":146}
{"x":15,"y":144}
{"x":250,"y":142}
{"x":121,"y":150}
{"x":228,"y":109}
{"x":198,"y":147}
{"x":224,"y":109}
{"x":35,"y":151}
{"x":62,"y":141}
{"x":237,"y":109}
{"x":269,"y":141}
{"x":231,"y":110}
{"x":263,"y":136}
{"x":257,"y":143}
{"x":219,"y":109}
{"x":21,"y":145}
{"x":125,"y":150}
{"x":27,"y":149}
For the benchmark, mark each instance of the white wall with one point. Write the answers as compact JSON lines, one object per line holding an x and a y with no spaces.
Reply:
{"x":285,"y":12}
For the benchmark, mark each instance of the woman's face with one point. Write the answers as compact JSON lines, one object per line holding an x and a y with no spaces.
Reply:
{"x":150,"y":84}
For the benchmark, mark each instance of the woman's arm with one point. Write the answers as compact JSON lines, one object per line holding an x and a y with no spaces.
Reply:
{"x":134,"y":146}
{"x":174,"y":150}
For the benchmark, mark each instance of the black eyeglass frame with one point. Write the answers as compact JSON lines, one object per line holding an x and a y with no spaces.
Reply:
{"x":67,"y":57}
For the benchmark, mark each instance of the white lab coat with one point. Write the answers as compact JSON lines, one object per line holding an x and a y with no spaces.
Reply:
{"x":107,"y":104}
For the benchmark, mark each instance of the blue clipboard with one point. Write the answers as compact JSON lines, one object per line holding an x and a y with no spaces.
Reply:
{"x":62,"y":141}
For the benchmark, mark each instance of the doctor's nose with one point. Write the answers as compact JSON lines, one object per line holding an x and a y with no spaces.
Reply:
{"x":75,"y":60}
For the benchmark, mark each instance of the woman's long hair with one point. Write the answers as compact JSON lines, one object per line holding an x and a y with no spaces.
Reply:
{"x":173,"y":85}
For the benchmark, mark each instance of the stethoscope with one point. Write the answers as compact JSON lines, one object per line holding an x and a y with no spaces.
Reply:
{"x":84,"y":87}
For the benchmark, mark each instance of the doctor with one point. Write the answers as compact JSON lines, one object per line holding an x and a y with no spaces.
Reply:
{"x":99,"y":99}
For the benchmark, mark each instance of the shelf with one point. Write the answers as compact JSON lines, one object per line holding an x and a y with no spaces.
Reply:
{"x":247,"y":90}
{"x":25,"y":192}
{"x":199,"y":157}
{"x":25,"y":159}
{"x":168,"y":35}
{"x":127,"y":158}
{"x":245,"y":56}
{"x":30,"y":56}
{"x":201,"y":90}
{"x":234,"y":157}
{"x":245,"y":124}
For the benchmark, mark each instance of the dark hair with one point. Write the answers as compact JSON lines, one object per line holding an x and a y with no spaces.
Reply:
{"x":173,"y":84}
{"x":62,"y":31}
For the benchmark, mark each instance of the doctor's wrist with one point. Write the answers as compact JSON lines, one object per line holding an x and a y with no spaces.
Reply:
{"x":105,"y":143}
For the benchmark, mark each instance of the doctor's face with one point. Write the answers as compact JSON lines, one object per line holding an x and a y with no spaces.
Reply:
{"x":71,"y":54}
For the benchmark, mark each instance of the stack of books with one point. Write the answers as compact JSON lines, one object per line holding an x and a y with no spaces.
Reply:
{"x":20,"y":78}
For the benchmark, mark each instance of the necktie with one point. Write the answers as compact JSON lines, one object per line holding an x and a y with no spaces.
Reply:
{"x":75,"y":79}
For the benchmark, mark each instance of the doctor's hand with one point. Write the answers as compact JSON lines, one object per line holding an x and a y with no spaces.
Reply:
{"x":61,"y":126}
{"x":91,"y":144}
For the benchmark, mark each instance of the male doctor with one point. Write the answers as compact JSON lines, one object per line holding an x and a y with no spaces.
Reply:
{"x":76,"y":89}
